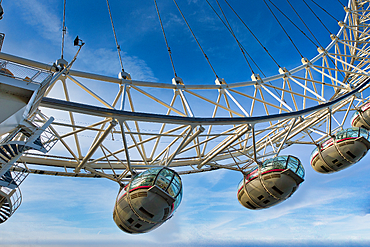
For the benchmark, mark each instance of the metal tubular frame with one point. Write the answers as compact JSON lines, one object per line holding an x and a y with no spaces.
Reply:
{"x":334,"y":79}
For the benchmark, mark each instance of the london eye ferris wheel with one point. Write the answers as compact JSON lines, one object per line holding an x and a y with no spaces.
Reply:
{"x":145,"y":134}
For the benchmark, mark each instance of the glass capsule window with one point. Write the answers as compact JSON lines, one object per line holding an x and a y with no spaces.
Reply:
{"x":293,"y":163}
{"x":300,"y":171}
{"x":145,"y":178}
{"x":354,"y":116}
{"x":240,"y":184}
{"x":364,"y":133}
{"x":342,"y":135}
{"x":314,"y":153}
{"x":327,"y":142}
{"x":166,"y":179}
{"x":353,"y":132}
{"x":357,"y":113}
{"x":281,"y":162}
{"x":365,"y":107}
{"x":284,"y":162}
{"x":177,"y":202}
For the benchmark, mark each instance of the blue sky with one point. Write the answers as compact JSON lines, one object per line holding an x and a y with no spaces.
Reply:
{"x":327,"y":209}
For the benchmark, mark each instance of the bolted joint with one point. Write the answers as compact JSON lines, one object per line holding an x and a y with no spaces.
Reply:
{"x":60,"y":64}
{"x":220,"y":81}
{"x":305,"y":61}
{"x":257,"y":78}
{"x":321,"y":50}
{"x":177,"y":81}
{"x":283,"y":71}
{"x":124,"y":75}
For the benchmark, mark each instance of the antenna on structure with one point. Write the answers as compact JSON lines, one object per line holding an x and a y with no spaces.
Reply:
{"x":64,"y":30}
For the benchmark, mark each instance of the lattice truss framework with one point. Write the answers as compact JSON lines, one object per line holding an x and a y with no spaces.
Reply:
{"x":199,"y":128}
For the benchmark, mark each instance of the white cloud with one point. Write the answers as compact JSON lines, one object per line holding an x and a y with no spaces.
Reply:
{"x":106,"y":61}
{"x":42,"y":17}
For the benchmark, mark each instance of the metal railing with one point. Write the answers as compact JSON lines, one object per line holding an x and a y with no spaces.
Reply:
{"x":22,"y":72}
{"x":15,"y":197}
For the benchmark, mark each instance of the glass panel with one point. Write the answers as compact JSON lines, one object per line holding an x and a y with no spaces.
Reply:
{"x":177,"y":202}
{"x":168,"y":174}
{"x":147,"y":181}
{"x":314,"y":153}
{"x":365,"y":107}
{"x":177,"y":179}
{"x":252,"y":173}
{"x":121,"y":193}
{"x":364,"y":133}
{"x":292,"y":165}
{"x":280,"y":162}
{"x":352,"y":132}
{"x":164,"y":179}
{"x":240,"y":184}
{"x":173,"y":189}
{"x":175,"y":186}
{"x":300,"y":172}
{"x":327,"y":142}
{"x":145,"y":178}
{"x":354,"y":116}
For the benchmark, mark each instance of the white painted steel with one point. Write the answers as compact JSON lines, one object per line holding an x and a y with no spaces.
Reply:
{"x":160,"y":123}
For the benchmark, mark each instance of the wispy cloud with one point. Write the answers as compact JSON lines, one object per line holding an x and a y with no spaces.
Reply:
{"x":43,"y":17}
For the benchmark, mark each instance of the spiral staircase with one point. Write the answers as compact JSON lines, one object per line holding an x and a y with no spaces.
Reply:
{"x":12,"y":172}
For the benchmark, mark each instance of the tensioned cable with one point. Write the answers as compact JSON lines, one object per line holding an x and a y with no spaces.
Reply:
{"x":341,"y":3}
{"x":115,"y":37}
{"x":228,"y":26}
{"x":244,"y":51}
{"x":232,"y":33}
{"x":314,"y":36}
{"x":301,"y":30}
{"x":165,"y":38}
{"x":291,"y":22}
{"x":317,"y":17}
{"x":64,"y":26}
{"x":324,"y":10}
{"x":240,"y":45}
{"x":252,"y":33}
{"x":286,"y":33}
{"x":302,"y":22}
{"x":204,"y":54}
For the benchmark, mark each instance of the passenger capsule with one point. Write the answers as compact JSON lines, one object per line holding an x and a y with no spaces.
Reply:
{"x":361,"y":118}
{"x":276,"y":180}
{"x":148,"y":200}
{"x":344,"y":149}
